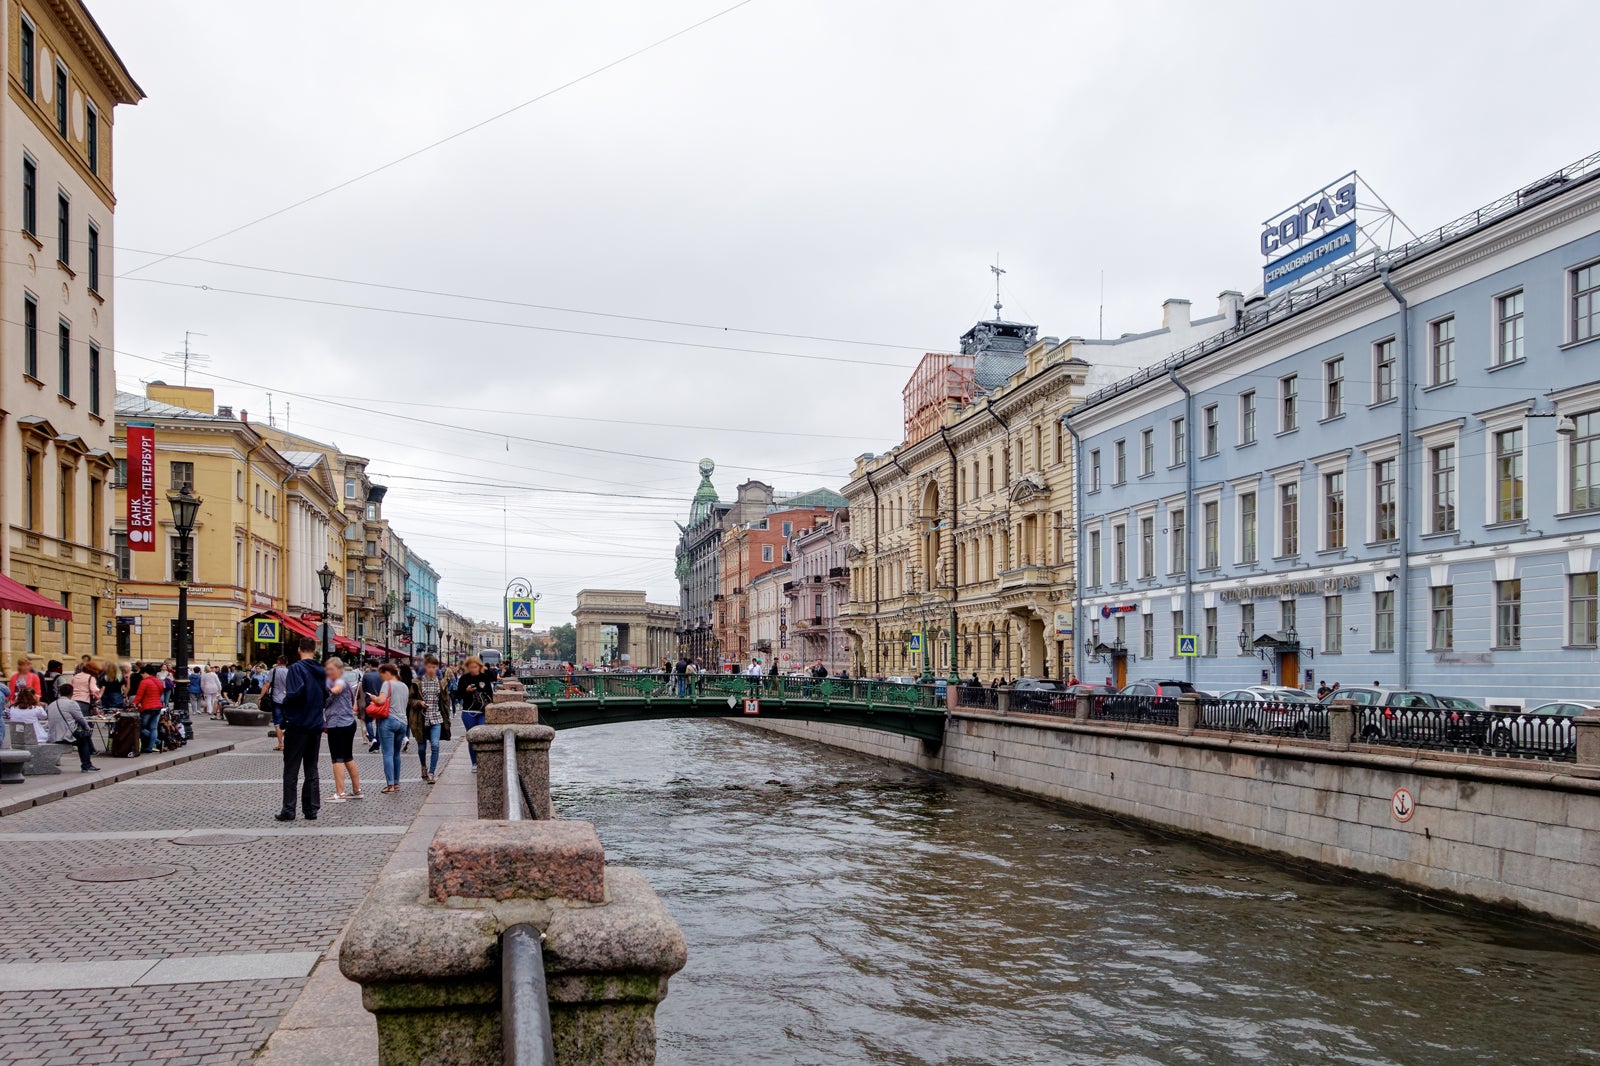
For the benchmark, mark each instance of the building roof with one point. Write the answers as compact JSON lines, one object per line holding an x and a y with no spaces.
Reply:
{"x":304,"y":460}
{"x":132,"y":405}
{"x":806,"y":500}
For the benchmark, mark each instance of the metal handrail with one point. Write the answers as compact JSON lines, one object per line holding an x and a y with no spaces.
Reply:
{"x":524,"y":996}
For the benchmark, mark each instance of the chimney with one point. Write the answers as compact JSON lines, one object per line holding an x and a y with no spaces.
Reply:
{"x":224,"y":412}
{"x":244,"y":416}
{"x":1175,"y":314}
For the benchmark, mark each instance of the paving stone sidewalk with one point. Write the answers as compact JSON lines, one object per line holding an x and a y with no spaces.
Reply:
{"x":229,"y":886}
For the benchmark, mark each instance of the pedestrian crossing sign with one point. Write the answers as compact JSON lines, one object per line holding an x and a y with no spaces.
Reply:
{"x":520,"y":611}
{"x":266,"y":631}
{"x":1188,"y":645}
{"x":916,"y":642}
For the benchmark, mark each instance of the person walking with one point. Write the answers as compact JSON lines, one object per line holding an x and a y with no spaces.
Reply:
{"x":339,"y":723}
{"x":304,"y":698}
{"x":474,"y":694}
{"x":148,"y":700}
{"x":389,"y":707}
{"x":67,"y":725}
{"x":211,"y":692}
{"x":430,"y":689}
{"x":278,"y":688}
{"x":371,"y":685}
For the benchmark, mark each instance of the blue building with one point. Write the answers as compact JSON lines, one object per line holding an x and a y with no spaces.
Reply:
{"x":422,"y":604}
{"x":1390,"y":474}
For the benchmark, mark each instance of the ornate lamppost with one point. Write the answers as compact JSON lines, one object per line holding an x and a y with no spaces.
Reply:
{"x":325,"y":578}
{"x":185,"y":507}
{"x":518,"y":588}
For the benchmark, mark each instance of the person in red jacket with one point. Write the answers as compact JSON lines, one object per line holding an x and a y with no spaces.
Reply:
{"x":147,"y":700}
{"x":25,"y":675}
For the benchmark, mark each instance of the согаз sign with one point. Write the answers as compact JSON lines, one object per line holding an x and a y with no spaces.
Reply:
{"x":1300,"y":239}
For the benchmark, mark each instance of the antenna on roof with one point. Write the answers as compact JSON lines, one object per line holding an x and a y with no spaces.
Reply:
{"x":186,"y":357}
{"x":1102,"y":305}
{"x":997,"y":272}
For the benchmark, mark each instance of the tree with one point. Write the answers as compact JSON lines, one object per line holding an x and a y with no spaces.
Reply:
{"x":566,"y":642}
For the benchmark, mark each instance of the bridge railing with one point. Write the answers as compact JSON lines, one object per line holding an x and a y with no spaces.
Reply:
{"x":1512,"y":733}
{"x":658,"y":685}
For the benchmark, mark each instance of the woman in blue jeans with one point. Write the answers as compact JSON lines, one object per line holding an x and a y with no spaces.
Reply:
{"x":392,"y":730}
{"x":473,"y":691}
{"x":435,"y":705}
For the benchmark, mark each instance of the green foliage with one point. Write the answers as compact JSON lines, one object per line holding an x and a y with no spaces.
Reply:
{"x":566,"y":642}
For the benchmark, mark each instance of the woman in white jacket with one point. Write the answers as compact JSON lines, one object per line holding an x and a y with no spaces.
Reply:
{"x":211,"y":691}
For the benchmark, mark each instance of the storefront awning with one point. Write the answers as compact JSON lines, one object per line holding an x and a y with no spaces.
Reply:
{"x":18,"y":597}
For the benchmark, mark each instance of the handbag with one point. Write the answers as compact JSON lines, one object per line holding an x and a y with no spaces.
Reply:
{"x":378,"y":707}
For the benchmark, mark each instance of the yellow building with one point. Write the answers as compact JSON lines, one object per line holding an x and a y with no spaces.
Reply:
{"x":241,"y":537}
{"x":56,"y":370}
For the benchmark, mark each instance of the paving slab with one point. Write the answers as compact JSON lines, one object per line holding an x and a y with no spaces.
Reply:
{"x":266,"y":966}
{"x":210,"y":738}
{"x":54,"y":976}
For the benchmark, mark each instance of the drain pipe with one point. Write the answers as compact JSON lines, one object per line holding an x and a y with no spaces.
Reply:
{"x":1188,"y":518}
{"x":1402,"y":486}
{"x":1077,"y":540}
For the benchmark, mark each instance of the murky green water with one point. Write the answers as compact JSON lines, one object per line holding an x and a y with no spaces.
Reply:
{"x":855,"y":912}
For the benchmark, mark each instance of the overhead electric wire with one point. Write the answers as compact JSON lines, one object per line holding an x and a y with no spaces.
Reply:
{"x":447,"y":139}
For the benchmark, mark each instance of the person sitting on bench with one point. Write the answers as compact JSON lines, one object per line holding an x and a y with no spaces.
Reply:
{"x":67,"y":725}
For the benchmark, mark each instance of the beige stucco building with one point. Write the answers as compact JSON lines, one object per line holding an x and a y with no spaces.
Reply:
{"x":57,"y":382}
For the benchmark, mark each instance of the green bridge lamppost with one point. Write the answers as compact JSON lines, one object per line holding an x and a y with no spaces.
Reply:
{"x":185,"y":509}
{"x":519,"y":589}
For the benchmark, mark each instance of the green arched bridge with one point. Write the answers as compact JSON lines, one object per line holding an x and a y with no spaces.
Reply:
{"x":577,"y":700}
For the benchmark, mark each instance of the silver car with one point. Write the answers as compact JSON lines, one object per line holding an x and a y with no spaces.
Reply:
{"x":1272,"y":709}
{"x":1546,"y":728}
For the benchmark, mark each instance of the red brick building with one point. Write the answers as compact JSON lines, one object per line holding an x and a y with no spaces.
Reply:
{"x":748,"y":551}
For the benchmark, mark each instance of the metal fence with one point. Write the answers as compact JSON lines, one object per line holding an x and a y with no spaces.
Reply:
{"x":658,"y":684}
{"x":1308,"y":720}
{"x":1043,"y":701}
{"x":1158,"y":710}
{"x":1515,"y":734}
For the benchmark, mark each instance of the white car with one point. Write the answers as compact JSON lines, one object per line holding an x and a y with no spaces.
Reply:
{"x":1270,"y":709}
{"x":1545,"y":728}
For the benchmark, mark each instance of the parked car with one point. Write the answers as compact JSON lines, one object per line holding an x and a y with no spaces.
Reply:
{"x":1381,"y":714}
{"x":1547,"y":727}
{"x":1383,"y":697}
{"x":1459,"y":703}
{"x":1146,"y":700}
{"x":1271,"y":709}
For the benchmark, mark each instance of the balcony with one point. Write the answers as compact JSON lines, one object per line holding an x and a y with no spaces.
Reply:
{"x":1028,"y":577}
{"x":838,"y":573}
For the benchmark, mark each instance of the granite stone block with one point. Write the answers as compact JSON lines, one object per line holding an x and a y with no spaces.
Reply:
{"x":502,"y":860}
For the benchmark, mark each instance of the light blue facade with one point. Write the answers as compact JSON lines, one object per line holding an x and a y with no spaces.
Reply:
{"x":1494,"y":472}
{"x":422,"y":588}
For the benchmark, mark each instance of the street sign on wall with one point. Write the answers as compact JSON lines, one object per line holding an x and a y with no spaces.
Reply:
{"x":141,"y":487}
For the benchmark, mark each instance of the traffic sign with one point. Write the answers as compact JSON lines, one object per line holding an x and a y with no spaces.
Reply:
{"x":916,"y":642}
{"x":520,"y":611}
{"x":752,"y":706}
{"x":266,"y":631}
{"x":1404,"y":805}
{"x":1188,"y":645}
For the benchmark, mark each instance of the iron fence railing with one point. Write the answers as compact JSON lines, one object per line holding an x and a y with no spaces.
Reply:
{"x":1509,"y":733}
{"x":653,"y":685}
{"x":1120,"y":707}
{"x":1043,"y":701}
{"x":1308,"y":720}
{"x":978,"y":697}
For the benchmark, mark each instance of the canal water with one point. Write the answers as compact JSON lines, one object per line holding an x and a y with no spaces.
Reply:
{"x":840,"y":911}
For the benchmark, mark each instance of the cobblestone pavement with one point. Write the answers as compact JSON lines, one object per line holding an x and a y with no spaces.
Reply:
{"x":288,"y":887}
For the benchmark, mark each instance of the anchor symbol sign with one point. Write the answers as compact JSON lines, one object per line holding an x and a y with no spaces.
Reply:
{"x":1404,"y":804}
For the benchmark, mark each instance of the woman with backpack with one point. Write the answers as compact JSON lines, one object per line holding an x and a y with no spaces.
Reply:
{"x":474,"y":693}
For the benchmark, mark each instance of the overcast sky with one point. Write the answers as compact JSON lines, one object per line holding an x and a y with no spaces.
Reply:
{"x":832,"y":168}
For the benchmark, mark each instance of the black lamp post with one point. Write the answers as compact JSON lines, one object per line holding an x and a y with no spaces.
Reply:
{"x":325,"y":578}
{"x":185,"y":507}
{"x":411,"y":638}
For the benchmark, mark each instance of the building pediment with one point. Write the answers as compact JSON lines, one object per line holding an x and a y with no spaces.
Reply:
{"x":1028,"y":487}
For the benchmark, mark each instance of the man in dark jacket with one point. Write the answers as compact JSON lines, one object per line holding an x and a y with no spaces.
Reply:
{"x":305,"y":691}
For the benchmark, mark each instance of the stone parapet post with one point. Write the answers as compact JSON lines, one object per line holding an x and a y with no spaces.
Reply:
{"x":1080,"y":713}
{"x":1587,"y":732}
{"x":533,"y":765}
{"x":1341,"y":724}
{"x":426,"y":947}
{"x":1002,"y":703}
{"x":1188,"y":713}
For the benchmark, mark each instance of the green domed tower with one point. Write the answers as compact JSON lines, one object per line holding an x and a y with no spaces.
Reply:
{"x":705,"y":497}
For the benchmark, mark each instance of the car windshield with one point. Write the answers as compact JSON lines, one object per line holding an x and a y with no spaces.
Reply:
{"x":1460,"y":703}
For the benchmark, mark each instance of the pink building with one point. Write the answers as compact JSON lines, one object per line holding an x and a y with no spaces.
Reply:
{"x":815,"y":593}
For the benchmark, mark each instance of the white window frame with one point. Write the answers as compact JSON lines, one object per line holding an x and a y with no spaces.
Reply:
{"x":1434,"y":325}
{"x":1094,"y":471}
{"x":1496,"y":303}
{"x":1122,"y":577}
{"x":1147,"y":452}
{"x":1211,"y":428}
{"x":1495,"y":422}
{"x":1570,"y":330}
{"x":1177,"y":538}
{"x":1289,"y":401}
{"x":1178,"y":430}
{"x":1211,"y":498}
{"x":1242,"y":488}
{"x":1393,"y":344}
{"x":1145,"y":514}
{"x":1119,"y":462}
{"x":1282,"y":476}
{"x":1249,"y":414}
{"x":1430,"y":438}
{"x":1325,"y":467}
{"x":1575,"y":401}
{"x":1333,"y":391}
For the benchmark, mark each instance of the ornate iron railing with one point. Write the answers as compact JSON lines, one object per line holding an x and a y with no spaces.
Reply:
{"x":1117,"y":707}
{"x":1274,"y":719}
{"x":1516,"y":734}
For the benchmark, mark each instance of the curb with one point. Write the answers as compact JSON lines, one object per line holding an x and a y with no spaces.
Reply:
{"x":107,"y":777}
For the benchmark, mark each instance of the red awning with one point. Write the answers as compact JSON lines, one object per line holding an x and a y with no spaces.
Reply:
{"x":18,"y":597}
{"x":295,"y":625}
{"x":346,"y":645}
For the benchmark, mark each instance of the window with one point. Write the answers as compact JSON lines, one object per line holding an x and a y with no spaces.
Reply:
{"x":1147,"y":547}
{"x":64,"y":352}
{"x":1508,"y":489}
{"x":1119,"y":553}
{"x":372,"y":549}
{"x":1584,"y":451}
{"x":1581,"y":602}
{"x":1180,"y":442}
{"x":1442,"y":488}
{"x":1442,"y":633}
{"x":1210,"y":526}
{"x":119,"y":547}
{"x":182,"y":474}
{"x":1333,"y":510}
{"x":1094,"y":557}
{"x":94,"y":379}
{"x":1508,"y":614}
{"x":30,"y":197}
{"x":1211,"y":633}
{"x":1147,"y":452}
{"x":1287,"y":609}
{"x":372,"y":512}
{"x":1333,"y":387}
{"x":30,"y":337}
{"x":63,"y":229}
{"x":1289,"y":518}
{"x":1212,"y":440}
{"x":349,"y":488}
{"x":1289,"y":403}
{"x":1442,"y":352}
{"x":66,"y":496}
{"x":990,"y":460}
{"x":119,"y":475}
{"x":1178,"y":546}
{"x":1149,"y":627}
{"x":1247,"y":527}
{"x":1177,"y":629}
{"x":1094,"y":471}
{"x":33,"y":490}
{"x":1247,"y":627}
{"x":1332,"y":625}
{"x":1586,"y":302}
{"x":1385,"y":526}
{"x":61,"y":99}
{"x":29,"y":81}
{"x":94,"y":258}
{"x":1383,"y":621}
{"x":91,"y":138}
{"x":1508,"y":328}
{"x":1383,"y":379}
{"x":1247,"y":417}
{"x":1119,"y":463}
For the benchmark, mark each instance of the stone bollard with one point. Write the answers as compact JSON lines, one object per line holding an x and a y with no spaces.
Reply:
{"x":1341,"y":724}
{"x":1586,"y":731}
{"x":1188,"y":713}
{"x":510,"y":691}
{"x":533,"y":766}
{"x":426,"y":947}
{"x":1002,"y":701}
{"x":1080,"y":713}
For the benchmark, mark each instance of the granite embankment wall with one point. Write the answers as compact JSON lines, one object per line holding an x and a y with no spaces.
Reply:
{"x":1511,"y":834}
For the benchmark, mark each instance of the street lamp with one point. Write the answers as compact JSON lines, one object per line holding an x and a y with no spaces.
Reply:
{"x":185,"y":507}
{"x":411,"y":638}
{"x":325,"y":578}
{"x":518,"y":588}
